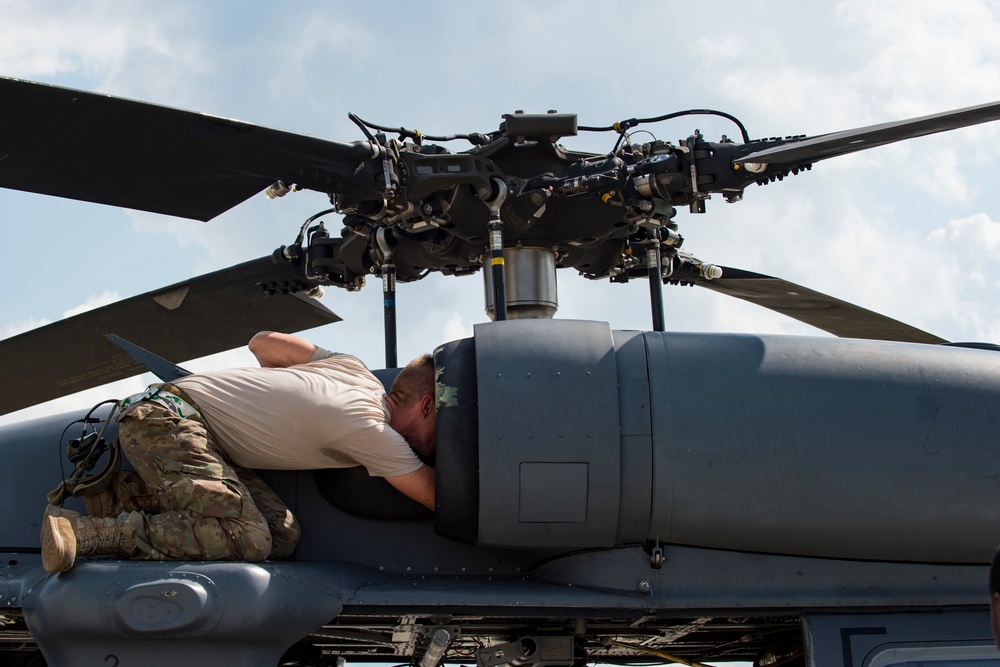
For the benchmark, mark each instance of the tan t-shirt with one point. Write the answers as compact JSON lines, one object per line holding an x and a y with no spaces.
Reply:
{"x":328,"y":413}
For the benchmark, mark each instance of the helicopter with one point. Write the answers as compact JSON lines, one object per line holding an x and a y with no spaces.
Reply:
{"x":626,"y":497}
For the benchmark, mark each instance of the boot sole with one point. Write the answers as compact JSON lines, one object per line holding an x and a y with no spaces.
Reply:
{"x":58,"y":544}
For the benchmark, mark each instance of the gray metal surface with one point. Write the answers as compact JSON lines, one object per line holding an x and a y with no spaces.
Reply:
{"x":863,"y":640}
{"x":825,"y":447}
{"x":635,"y":423}
{"x":32,"y":452}
{"x":548,"y":434}
{"x":180,"y":613}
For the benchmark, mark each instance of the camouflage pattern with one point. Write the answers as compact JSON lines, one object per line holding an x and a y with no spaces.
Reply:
{"x":193,"y":503}
{"x":282,"y":524}
{"x":126,"y":492}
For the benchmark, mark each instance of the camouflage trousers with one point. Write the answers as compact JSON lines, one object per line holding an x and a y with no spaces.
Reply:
{"x":194,"y":503}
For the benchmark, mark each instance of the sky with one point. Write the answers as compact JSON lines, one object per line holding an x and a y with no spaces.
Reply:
{"x":911,"y":229}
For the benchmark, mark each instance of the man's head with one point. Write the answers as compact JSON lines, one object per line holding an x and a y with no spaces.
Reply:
{"x":411,"y":401}
{"x":995,"y":597}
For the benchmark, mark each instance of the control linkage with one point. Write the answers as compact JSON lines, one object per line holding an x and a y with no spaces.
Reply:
{"x":413,"y":207}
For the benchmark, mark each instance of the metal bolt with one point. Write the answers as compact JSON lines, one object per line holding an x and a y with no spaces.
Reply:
{"x":644,"y":586}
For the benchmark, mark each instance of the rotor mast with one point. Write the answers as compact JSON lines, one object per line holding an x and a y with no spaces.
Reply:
{"x":530,"y":277}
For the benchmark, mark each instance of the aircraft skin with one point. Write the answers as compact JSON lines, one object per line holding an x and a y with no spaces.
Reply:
{"x":712,"y":496}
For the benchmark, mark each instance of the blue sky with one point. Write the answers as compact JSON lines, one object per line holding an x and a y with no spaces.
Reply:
{"x":912,"y":229}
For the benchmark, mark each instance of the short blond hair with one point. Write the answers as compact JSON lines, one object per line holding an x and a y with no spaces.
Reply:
{"x":414,"y":381}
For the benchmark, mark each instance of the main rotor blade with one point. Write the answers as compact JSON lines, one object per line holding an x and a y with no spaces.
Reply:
{"x":109,"y":150}
{"x":822,"y":311}
{"x":212,"y":313}
{"x":821,"y":147}
{"x":162,"y":368}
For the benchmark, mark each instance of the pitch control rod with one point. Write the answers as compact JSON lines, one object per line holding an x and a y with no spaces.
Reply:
{"x":388,"y":297}
{"x":653,"y":259}
{"x":496,"y":251}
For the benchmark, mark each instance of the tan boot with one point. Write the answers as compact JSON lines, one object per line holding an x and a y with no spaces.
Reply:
{"x":103,"y":504}
{"x":58,"y":539}
{"x":67,"y":535}
{"x":101,"y":537}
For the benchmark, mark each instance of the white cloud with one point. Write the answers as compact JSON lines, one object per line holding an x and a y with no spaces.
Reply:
{"x":456,"y":328}
{"x":913,"y":44}
{"x":967,"y":255}
{"x":95,"y":301}
{"x":976,"y":233}
{"x":25,"y":325}
{"x":37,"y":40}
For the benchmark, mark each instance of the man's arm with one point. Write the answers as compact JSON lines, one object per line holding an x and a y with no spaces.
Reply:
{"x":279,"y":350}
{"x":418,"y":485}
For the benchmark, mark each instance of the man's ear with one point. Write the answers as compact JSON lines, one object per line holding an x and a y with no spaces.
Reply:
{"x":426,"y":405}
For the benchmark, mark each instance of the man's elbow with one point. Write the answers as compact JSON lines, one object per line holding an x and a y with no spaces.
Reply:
{"x":428,"y":502}
{"x":258,"y":344}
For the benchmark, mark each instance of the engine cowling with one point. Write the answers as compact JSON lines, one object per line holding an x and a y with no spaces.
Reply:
{"x":567,"y":435}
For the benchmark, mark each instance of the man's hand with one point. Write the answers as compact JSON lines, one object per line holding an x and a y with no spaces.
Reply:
{"x":278,"y":350}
